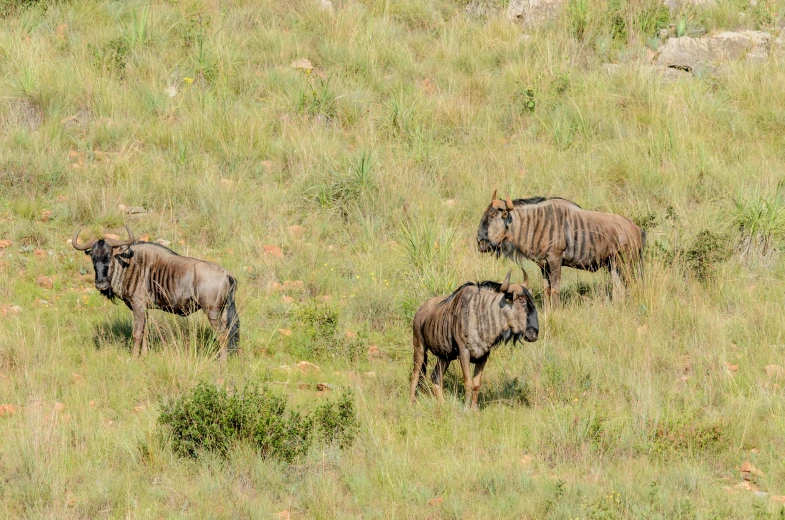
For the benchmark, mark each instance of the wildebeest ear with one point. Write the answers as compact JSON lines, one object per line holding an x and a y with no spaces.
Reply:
{"x":128,"y":253}
{"x":87,"y":252}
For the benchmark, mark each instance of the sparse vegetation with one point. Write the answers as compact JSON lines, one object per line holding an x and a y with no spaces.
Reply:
{"x":365,"y":179}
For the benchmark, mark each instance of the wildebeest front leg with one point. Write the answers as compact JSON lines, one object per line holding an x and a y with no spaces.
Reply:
{"x":437,"y":377}
{"x":466,"y":368}
{"x":140,"y":339}
{"x":479,"y":365}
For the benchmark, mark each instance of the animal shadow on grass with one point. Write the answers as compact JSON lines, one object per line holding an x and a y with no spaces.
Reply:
{"x":582,"y":292}
{"x":169,"y":332}
{"x":505,"y":389}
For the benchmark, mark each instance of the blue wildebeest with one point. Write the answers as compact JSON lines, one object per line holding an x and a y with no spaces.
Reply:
{"x":556,"y":232}
{"x":466,"y":325}
{"x":149,"y":276}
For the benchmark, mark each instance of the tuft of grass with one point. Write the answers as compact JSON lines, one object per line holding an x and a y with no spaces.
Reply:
{"x":760,"y":222}
{"x":579,"y":12}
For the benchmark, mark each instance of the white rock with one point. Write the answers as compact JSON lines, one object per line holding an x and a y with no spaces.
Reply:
{"x":301,"y":63}
{"x":684,"y":53}
{"x":728,"y":45}
{"x":692,"y":53}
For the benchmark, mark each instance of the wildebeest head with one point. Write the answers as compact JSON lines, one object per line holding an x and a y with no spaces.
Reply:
{"x":493,"y":226}
{"x":518,"y":307}
{"x":102,"y":252}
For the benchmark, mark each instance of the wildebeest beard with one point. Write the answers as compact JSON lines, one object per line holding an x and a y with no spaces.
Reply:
{"x":506,"y":336}
{"x":109,"y":294}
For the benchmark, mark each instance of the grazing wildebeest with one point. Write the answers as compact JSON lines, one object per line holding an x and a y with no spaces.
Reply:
{"x":556,"y":232}
{"x":149,"y":276}
{"x":467,"y":325}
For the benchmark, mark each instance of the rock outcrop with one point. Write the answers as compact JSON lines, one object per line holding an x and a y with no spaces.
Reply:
{"x":693,"y":54}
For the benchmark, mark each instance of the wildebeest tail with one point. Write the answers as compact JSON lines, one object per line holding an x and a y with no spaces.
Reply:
{"x":232,"y":319}
{"x":640,"y":259}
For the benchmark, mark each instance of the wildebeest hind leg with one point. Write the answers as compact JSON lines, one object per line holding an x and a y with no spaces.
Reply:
{"x":618,"y":291}
{"x":437,"y":377}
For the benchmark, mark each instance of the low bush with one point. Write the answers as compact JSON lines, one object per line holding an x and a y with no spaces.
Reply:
{"x":337,"y":421}
{"x":211,"y":419}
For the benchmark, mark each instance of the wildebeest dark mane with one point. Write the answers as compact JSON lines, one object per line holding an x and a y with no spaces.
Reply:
{"x":537,"y":200}
{"x":487,"y":284}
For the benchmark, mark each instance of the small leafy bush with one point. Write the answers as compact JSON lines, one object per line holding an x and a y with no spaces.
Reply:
{"x":707,"y":250}
{"x":112,"y":56}
{"x":688,"y":433}
{"x":524,"y":101}
{"x":320,"y":320}
{"x":210,"y":419}
{"x":337,"y":421}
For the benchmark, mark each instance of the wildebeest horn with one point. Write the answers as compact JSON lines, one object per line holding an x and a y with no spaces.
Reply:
{"x":494,"y":195}
{"x":114,"y":243}
{"x":525,"y":278}
{"x":75,"y":242}
{"x":506,"y":285}
{"x":507,"y":201}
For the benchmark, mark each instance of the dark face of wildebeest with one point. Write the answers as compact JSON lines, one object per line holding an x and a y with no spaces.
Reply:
{"x":521,"y":312}
{"x":102,"y":252}
{"x":493,"y":226}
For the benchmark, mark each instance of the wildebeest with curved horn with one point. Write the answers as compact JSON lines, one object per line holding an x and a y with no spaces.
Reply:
{"x":145,"y":276}
{"x":466,"y":325}
{"x":556,"y":232}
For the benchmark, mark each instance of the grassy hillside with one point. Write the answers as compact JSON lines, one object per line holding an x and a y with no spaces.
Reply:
{"x":384,"y":154}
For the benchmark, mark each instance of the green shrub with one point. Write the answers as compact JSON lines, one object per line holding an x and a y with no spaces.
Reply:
{"x":707,"y":250}
{"x":112,"y":56}
{"x":688,"y":433}
{"x":320,"y":320}
{"x":209,"y":419}
{"x":337,"y":421}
